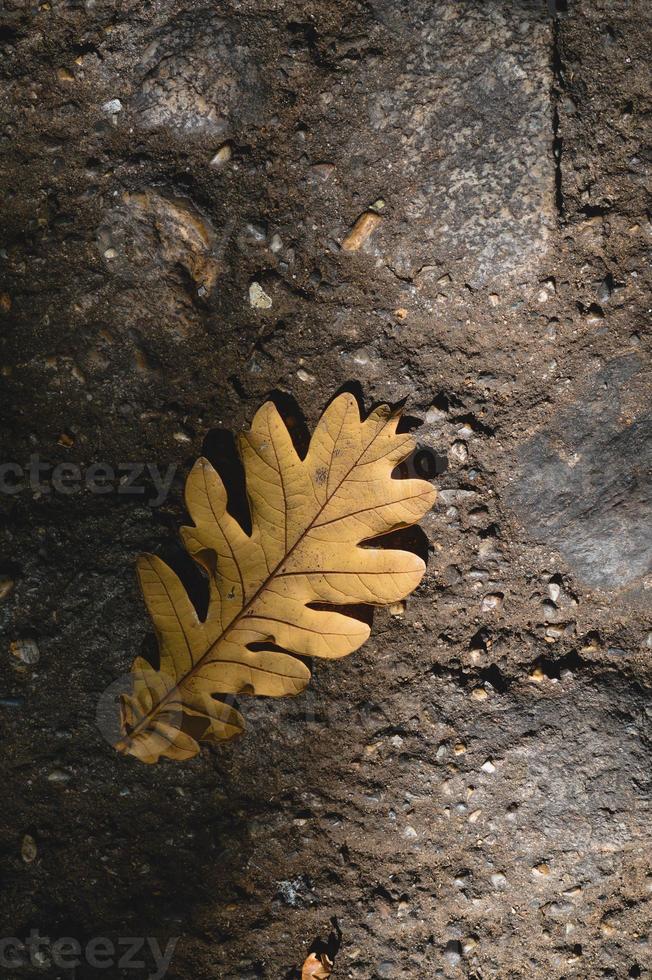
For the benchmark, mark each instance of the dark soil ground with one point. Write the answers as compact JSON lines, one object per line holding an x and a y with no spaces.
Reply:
{"x":469,"y":794}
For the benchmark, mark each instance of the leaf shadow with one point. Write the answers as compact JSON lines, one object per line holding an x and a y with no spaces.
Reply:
{"x":220,"y":449}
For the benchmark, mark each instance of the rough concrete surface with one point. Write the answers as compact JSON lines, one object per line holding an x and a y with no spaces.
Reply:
{"x":469,"y":794}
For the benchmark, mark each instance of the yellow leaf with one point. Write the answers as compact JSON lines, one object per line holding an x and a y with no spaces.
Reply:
{"x":317,"y":968}
{"x":272,"y":591}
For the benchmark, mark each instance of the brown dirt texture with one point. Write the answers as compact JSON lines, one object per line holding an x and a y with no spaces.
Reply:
{"x":469,"y":793}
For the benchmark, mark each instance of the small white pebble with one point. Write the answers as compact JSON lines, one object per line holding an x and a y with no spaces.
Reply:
{"x":434,"y":415}
{"x":488,"y":766}
{"x":554,"y":591}
{"x":304,"y":376}
{"x":112,"y":107}
{"x":254,"y":232}
{"x":492,"y":601}
{"x":410,"y":833}
{"x":459,"y":451}
{"x":258,"y":298}
{"x":222,"y":156}
{"x":553,"y":633}
{"x":58,"y":776}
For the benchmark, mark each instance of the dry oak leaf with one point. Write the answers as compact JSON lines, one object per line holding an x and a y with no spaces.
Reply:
{"x":271,"y":592}
{"x":317,"y":968}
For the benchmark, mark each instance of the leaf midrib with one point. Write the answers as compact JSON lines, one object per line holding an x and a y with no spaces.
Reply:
{"x":254,"y":598}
